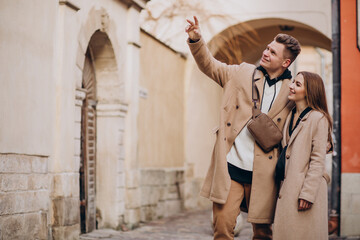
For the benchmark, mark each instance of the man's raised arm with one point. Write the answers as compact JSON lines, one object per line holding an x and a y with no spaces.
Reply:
{"x":213,"y":68}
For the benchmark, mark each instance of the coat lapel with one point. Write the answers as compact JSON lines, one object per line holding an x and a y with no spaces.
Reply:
{"x":298,"y":128}
{"x":286,"y":136}
{"x":259,"y":83}
{"x":281,"y":100}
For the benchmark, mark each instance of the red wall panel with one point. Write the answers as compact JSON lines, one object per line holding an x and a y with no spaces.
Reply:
{"x":350,"y":88}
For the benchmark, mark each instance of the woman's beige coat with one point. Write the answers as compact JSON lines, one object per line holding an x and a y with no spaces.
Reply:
{"x":236,"y":111}
{"x":305,"y":178}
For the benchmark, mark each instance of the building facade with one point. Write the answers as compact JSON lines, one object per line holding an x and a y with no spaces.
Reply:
{"x":70,"y":91}
{"x":105,"y":120}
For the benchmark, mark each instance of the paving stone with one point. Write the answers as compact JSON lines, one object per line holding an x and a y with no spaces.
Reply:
{"x":183,"y":226}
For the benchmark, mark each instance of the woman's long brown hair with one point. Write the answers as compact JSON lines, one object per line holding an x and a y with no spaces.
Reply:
{"x":316,"y":96}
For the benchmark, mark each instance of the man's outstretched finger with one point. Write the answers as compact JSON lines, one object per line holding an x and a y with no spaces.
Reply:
{"x":196,"y":21}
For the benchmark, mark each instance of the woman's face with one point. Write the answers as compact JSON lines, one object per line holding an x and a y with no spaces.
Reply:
{"x":297,"y":89}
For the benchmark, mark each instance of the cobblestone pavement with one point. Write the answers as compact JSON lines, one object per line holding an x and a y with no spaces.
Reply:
{"x":194,"y":225}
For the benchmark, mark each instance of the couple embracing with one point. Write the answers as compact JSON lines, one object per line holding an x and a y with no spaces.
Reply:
{"x":284,"y":190}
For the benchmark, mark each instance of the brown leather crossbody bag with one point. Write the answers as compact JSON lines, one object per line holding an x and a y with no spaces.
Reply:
{"x":265,"y":132}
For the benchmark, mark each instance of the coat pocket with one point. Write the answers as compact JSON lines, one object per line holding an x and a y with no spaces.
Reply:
{"x":230,"y":102}
{"x":215,"y":130}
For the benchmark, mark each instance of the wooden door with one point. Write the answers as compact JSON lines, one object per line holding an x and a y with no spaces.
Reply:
{"x":88,"y":149}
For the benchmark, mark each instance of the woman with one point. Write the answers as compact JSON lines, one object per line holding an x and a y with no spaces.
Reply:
{"x":301,"y":209}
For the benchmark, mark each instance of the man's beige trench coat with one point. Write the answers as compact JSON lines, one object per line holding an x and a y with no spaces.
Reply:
{"x":236,"y":111}
{"x":305,"y":178}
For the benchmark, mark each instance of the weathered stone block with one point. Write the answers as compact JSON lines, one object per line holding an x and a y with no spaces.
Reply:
{"x":22,"y":202}
{"x":151,"y":177}
{"x":147,"y":213}
{"x":162,"y":193}
{"x":170,"y":177}
{"x":132,"y":217}
{"x":160,"y":209}
{"x":150,"y":195}
{"x":347,"y":183}
{"x":182,"y":191}
{"x":38,"y":181}
{"x":172,"y":192}
{"x":66,"y":211}
{"x":13,"y":182}
{"x":350,"y":225}
{"x":180,"y":176}
{"x":39,"y":165}
{"x":65,"y":185}
{"x":355,"y":204}
{"x":133,"y":198}
{"x":13,"y":163}
{"x":24,"y":226}
{"x":66,"y":232}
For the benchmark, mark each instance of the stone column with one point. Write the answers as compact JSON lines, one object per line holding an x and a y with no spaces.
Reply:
{"x":110,"y":176}
{"x":132,"y":207}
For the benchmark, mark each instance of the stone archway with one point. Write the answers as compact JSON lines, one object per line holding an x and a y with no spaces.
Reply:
{"x":102,"y":184}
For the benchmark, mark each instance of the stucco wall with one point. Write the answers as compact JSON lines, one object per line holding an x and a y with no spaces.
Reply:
{"x":161,"y":112}
{"x":26,"y":68}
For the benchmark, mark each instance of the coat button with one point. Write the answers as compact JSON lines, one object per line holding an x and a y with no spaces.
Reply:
{"x":287,"y":156}
{"x":228,"y":124}
{"x":270,"y":157}
{"x":279,"y":119}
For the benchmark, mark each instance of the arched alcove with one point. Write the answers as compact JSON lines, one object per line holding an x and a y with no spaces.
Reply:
{"x":102,"y":95}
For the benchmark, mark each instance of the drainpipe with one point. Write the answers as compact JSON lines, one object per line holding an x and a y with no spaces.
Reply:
{"x":334,"y":222}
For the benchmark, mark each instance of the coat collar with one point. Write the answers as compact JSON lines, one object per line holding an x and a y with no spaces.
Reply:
{"x":287,"y":140}
{"x":285,"y":75}
{"x":259,"y":83}
{"x":280,"y":101}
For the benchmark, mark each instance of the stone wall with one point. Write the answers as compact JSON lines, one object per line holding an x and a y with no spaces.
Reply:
{"x":159,"y":194}
{"x":350,"y":204}
{"x":64,"y":205}
{"x":24,"y":197}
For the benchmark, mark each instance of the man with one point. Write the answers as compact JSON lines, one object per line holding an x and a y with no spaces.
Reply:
{"x":239,"y":167}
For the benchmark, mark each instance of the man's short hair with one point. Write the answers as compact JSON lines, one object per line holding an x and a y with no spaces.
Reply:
{"x":292,"y":45}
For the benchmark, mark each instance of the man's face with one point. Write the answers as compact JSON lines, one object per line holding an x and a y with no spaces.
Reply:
{"x":273,"y":57}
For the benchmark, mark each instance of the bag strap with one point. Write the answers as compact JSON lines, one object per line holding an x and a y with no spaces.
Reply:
{"x":255,"y":97}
